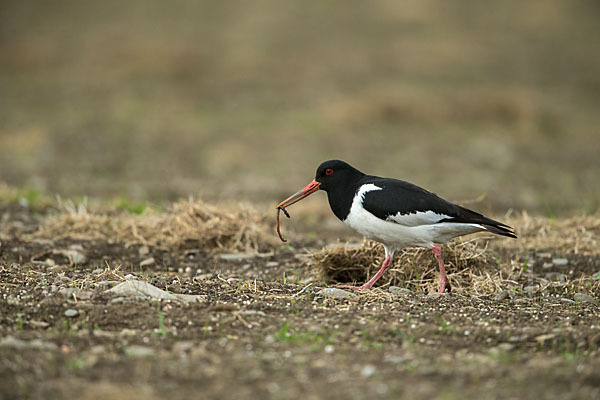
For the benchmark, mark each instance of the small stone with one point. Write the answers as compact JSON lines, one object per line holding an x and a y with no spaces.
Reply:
{"x":136,"y":351}
{"x":81,"y":294}
{"x":566,"y":300}
{"x":335,"y":293}
{"x":12,"y":300}
{"x":67,"y":292}
{"x":434,"y":295}
{"x":545,"y":337}
{"x":70,"y":313}
{"x":191,"y":298}
{"x":530,"y":290}
{"x":368,"y":371}
{"x":399,"y":291}
{"x":503,"y":295}
{"x":74,"y":256}
{"x":556,"y":278}
{"x":506,"y":346}
{"x":97,"y":349}
{"x":560,"y":262}
{"x":39,"y":324}
{"x":134,"y":288}
{"x":183,"y":346}
{"x":147,"y":261}
{"x":236,"y":256}
{"x":272,"y":264}
{"x":12,"y":342}
{"x":254,"y":312}
{"x":584,"y":298}
{"x":142,"y":251}
{"x":501,"y":349}
{"x":395,"y":359}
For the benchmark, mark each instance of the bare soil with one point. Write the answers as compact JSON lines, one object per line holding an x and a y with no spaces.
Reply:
{"x":261,"y":330}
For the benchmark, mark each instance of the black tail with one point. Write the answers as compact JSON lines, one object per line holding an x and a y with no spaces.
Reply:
{"x":500,"y":229}
{"x":464,"y":215}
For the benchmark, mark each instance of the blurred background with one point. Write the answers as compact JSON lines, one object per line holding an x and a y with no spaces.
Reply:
{"x":153,"y":100}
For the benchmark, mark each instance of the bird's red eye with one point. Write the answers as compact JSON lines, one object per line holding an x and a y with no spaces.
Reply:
{"x":328,"y":171}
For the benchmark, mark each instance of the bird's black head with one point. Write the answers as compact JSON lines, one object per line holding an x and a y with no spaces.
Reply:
{"x":336,"y":173}
{"x":338,"y":179}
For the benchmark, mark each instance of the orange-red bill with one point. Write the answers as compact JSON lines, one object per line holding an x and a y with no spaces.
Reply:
{"x":299,"y":195}
{"x":296,"y":197}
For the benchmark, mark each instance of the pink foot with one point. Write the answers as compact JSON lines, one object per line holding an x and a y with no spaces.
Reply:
{"x":443,"y":278}
{"x":386,"y":265}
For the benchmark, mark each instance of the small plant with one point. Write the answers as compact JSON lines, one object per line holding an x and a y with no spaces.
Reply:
{"x":321,"y":338}
{"x":20,"y":322}
{"x":30,"y":198}
{"x":74,"y":364}
{"x":444,"y":326}
{"x":573,"y":355}
{"x":131,"y":206}
{"x":407,"y":338}
{"x":161,"y":331}
{"x":282,"y":334}
{"x":525,"y":266}
{"x":368,"y":341}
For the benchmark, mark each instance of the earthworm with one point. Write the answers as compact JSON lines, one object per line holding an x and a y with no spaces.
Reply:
{"x":279,"y":209}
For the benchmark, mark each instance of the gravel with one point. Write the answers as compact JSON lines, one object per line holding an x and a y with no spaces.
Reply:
{"x":399,"y":291}
{"x":335,"y":293}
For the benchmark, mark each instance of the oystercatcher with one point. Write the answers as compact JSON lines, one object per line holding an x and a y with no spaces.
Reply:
{"x":395,"y":213}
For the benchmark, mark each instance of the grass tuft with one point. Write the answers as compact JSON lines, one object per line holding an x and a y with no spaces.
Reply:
{"x":186,"y":224}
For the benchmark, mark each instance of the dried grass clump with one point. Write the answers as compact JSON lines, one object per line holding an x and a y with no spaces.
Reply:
{"x":470,"y":267}
{"x":186,"y":224}
{"x":575,"y":235}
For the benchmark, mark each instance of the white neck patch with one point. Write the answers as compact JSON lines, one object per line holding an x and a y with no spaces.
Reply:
{"x":364,"y":189}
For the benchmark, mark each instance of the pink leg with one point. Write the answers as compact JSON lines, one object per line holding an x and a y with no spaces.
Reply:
{"x":386,"y":265}
{"x":443,"y":278}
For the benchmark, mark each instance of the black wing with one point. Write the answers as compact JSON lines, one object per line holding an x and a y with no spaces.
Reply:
{"x":407,"y":204}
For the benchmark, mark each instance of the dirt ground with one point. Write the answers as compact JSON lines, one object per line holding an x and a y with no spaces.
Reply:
{"x":125,"y":108}
{"x":238,"y":100}
{"x":259,"y":329}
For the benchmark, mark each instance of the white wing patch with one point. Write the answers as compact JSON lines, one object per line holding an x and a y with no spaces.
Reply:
{"x":417,"y":218}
